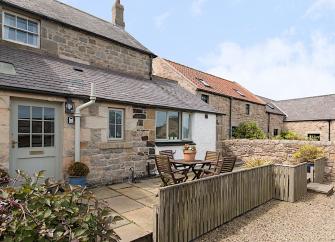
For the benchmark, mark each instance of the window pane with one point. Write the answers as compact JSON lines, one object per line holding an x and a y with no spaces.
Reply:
{"x":112,"y":117}
{"x":37,"y":127}
{"x":118,"y":117}
{"x":49,"y":140}
{"x":37,"y":113}
{"x":10,"y":33}
{"x":186,"y":126}
{"x":10,"y":20}
{"x":24,"y":112}
{"x":23,"y":140}
{"x":22,"y":23}
{"x":21,"y":36}
{"x":173,"y":125}
{"x":161,"y":125}
{"x":118,"y":132}
{"x":112,"y":133}
{"x":49,"y":127}
{"x":24,"y":126}
{"x":33,"y":27}
{"x":36,"y":141}
{"x":49,"y":114}
{"x":32,"y":39}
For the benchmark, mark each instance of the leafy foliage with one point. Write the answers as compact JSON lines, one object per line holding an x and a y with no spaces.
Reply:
{"x":78,"y":169}
{"x":4,"y":177}
{"x":248,"y":130}
{"x":289,"y":135}
{"x":308,"y":153}
{"x":52,"y":212}
{"x":256,"y":163}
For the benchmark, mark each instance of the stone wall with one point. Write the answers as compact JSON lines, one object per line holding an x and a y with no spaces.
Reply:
{"x":277,"y":151}
{"x":79,"y":46}
{"x":111,"y":161}
{"x":312,"y":127}
{"x":276,"y":122}
{"x":4,"y":130}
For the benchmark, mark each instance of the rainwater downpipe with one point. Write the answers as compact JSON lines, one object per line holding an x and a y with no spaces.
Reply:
{"x":77,"y":116}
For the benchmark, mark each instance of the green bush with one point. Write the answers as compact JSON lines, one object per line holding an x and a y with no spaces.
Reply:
{"x":256,"y":163}
{"x":248,"y":130}
{"x":308,"y":153}
{"x":289,"y":135}
{"x":52,"y":212}
{"x":78,"y":169}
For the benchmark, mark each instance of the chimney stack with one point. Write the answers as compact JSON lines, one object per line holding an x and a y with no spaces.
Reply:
{"x":117,"y":14}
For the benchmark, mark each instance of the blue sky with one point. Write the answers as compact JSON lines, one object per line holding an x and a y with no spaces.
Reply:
{"x":279,"y":49}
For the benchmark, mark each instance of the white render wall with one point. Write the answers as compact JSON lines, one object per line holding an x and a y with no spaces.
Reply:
{"x":203,"y":134}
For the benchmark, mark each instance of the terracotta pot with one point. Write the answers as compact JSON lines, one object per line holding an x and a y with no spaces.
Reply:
{"x":189,"y":155}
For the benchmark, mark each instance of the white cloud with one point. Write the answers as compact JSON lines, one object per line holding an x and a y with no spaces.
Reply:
{"x":278,"y":68}
{"x":319,"y":8}
{"x":161,"y":19}
{"x":197,"y":7}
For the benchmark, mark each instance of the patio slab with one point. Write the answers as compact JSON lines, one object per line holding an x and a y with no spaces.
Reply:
{"x":120,"y":221}
{"x":149,"y":201}
{"x":142,"y":217}
{"x":122,"y":204}
{"x":120,"y":186}
{"x":104,"y":193}
{"x":134,"y":192}
{"x":130,"y":232}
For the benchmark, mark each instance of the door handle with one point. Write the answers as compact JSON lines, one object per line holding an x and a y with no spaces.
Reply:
{"x":14,"y":143}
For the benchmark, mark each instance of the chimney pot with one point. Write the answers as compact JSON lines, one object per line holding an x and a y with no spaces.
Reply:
{"x":118,"y":14}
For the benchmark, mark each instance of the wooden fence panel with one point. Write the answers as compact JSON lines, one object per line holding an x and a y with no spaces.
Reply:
{"x":191,"y":209}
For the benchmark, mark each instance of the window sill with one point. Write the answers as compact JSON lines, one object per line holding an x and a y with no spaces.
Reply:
{"x":174,"y":143}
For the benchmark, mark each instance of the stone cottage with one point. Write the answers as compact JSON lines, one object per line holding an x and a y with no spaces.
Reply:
{"x":50,"y":53}
{"x":236,"y":102}
{"x":310,"y":117}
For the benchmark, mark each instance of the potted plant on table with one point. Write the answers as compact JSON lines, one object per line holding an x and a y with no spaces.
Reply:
{"x":189,"y":152}
{"x":77,"y":174}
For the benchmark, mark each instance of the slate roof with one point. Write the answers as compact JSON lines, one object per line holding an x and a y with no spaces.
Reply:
{"x":217,"y":85}
{"x":271,"y":107}
{"x":46,"y":74}
{"x":66,"y":14}
{"x":309,"y":108}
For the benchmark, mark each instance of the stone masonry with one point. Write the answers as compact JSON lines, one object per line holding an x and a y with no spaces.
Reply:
{"x":277,"y":151}
{"x":68,"y":43}
{"x":276,"y":122}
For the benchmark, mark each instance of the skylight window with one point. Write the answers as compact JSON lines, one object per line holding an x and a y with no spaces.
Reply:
{"x":270,"y":106}
{"x":78,"y":69}
{"x":203,"y":82}
{"x":239,"y":92}
{"x":7,"y":68}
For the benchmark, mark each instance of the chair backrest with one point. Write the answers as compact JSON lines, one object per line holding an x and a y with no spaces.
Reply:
{"x":168,"y":153}
{"x":164,"y":168}
{"x":212,"y":156}
{"x":228,"y":164}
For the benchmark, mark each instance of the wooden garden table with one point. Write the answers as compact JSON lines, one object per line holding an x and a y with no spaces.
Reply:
{"x":190,"y":165}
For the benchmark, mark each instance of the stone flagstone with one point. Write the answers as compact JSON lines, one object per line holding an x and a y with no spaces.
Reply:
{"x":122,"y":204}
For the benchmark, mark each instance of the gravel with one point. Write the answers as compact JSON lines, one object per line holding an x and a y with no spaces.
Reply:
{"x":311,"y":219}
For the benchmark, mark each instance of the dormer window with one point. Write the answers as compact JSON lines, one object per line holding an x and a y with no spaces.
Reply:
{"x":203,"y":82}
{"x":21,"y":30}
{"x":239,"y":92}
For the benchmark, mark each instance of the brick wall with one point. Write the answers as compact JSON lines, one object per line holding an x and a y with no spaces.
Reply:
{"x":277,"y":151}
{"x":68,"y":43}
{"x":312,"y":127}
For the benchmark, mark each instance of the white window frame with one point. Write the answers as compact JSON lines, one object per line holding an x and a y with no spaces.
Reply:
{"x":24,"y":17}
{"x":190,"y":126}
{"x":181,"y":138}
{"x":123,"y":124}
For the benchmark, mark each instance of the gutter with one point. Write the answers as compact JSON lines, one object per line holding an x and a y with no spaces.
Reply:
{"x":77,"y":116}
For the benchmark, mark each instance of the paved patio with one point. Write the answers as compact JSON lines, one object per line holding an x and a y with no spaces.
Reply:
{"x":134,"y":203}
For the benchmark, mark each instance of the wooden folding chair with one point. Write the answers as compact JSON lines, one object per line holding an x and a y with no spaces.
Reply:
{"x":168,"y":176}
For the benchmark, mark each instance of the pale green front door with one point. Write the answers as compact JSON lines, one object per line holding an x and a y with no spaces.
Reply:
{"x":35,"y":138}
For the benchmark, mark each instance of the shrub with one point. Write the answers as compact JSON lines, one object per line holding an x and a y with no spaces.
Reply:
{"x":256,"y":163}
{"x":52,"y":212}
{"x":248,"y":130}
{"x":4,"y":177}
{"x":289,"y":135}
{"x":78,"y":169}
{"x":308,"y":153}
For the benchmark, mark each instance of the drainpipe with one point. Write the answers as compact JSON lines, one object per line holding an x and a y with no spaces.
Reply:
{"x":77,"y":116}
{"x":269,"y":121}
{"x":329,"y":130}
{"x":230,"y":117}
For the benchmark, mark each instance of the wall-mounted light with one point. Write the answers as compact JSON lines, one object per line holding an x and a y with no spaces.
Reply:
{"x":69,"y":106}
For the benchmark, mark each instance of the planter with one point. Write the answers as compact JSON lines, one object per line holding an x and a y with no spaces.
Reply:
{"x":290,"y":182}
{"x":189,"y":155}
{"x":78,"y":181}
